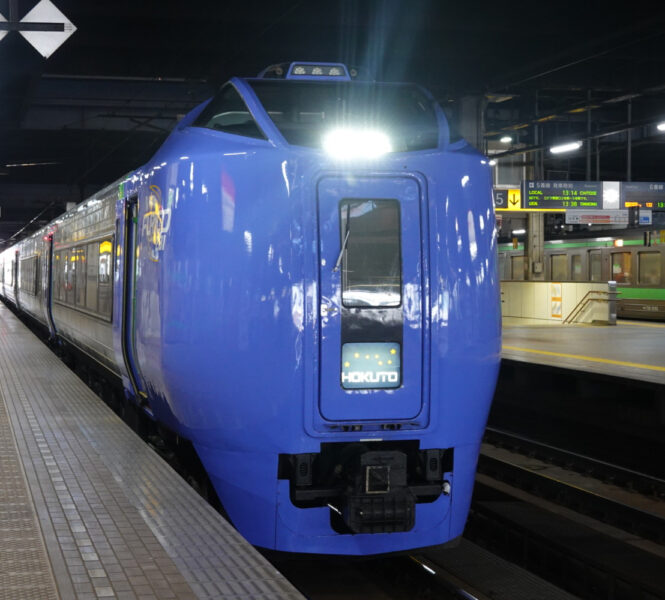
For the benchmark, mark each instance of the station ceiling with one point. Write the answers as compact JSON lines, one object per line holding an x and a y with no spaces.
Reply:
{"x":106,"y":99}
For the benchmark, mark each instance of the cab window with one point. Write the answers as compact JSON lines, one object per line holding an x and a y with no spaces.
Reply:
{"x":372,"y":269}
{"x":227,"y":112}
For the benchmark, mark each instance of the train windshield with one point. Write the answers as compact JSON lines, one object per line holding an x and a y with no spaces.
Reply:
{"x":305,"y":111}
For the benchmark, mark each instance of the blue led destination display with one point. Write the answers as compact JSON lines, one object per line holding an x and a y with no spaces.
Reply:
{"x":371,"y":365}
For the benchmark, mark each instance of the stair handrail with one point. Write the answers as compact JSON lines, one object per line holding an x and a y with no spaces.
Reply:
{"x":581,"y":305}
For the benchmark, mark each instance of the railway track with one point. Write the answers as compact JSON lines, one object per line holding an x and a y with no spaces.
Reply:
{"x":403,"y":577}
{"x":629,"y":479}
{"x":590,"y":527}
{"x":617,"y":496}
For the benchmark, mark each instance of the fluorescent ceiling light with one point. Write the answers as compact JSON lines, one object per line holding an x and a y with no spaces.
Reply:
{"x":346,"y":144}
{"x":30,"y":164}
{"x":568,"y":147}
{"x":661,"y":126}
{"x":506,"y":139}
{"x":519,"y":231}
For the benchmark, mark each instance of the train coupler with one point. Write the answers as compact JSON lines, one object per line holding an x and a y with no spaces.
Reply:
{"x":380,"y":501}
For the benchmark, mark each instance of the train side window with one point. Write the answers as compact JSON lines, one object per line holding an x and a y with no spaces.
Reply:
{"x":649,"y":268}
{"x":79,"y":254}
{"x":595,"y":266}
{"x":28,"y":275}
{"x":92,"y":268}
{"x":227,"y":112}
{"x":517,"y":267}
{"x":69,"y":276}
{"x":621,"y":271}
{"x":559,"y":267}
{"x":105,"y":302}
{"x":57,"y":276}
{"x":576,"y":267}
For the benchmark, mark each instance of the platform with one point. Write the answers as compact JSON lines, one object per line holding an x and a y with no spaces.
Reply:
{"x":630,"y":349}
{"x":88,"y":510}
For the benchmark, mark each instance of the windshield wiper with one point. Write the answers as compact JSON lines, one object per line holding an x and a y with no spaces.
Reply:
{"x":347,"y":231}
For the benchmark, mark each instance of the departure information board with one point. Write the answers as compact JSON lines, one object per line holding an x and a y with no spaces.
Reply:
{"x":562,"y":194}
{"x":644,"y":194}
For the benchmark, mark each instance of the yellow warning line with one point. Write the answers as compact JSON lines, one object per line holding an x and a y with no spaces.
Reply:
{"x":640,"y":324}
{"x":607,"y":361}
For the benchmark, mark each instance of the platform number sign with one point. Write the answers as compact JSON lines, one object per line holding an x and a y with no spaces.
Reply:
{"x":500,"y":198}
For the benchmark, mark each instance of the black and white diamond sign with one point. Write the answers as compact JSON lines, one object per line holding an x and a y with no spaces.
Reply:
{"x":45,"y":27}
{"x":3,"y":33}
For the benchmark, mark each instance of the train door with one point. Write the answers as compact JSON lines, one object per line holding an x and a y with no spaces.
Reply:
{"x":15,"y":275}
{"x":517,"y":267}
{"x":128,"y":329}
{"x":558,"y":267}
{"x":372,"y":299}
{"x":576,"y":273}
{"x":47,"y":284}
{"x":595,"y":265}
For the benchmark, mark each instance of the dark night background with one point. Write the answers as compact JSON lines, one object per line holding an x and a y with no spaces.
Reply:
{"x":106,"y":99}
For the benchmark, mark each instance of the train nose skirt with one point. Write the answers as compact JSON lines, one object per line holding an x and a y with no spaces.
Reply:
{"x":390,"y":512}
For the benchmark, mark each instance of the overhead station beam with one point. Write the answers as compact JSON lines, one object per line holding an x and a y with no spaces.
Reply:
{"x":103,"y":103}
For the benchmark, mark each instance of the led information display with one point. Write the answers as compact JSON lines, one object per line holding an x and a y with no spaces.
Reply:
{"x":562,"y":194}
{"x":643,"y":194}
{"x":371,"y":365}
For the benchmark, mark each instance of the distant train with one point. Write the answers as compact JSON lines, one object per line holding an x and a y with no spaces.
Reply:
{"x":303,"y":283}
{"x":636,"y":264}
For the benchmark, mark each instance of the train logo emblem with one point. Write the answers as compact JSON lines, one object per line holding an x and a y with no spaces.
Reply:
{"x":156,"y":223}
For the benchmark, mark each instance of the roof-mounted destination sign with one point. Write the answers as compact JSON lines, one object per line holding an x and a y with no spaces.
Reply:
{"x":562,"y":194}
{"x":306,"y":70}
{"x":309,"y":70}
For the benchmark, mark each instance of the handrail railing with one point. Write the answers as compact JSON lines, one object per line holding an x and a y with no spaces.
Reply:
{"x":582,"y":304}
{"x":585,"y":301}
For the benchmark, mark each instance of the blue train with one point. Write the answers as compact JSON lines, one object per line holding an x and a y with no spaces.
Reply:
{"x":303,"y":283}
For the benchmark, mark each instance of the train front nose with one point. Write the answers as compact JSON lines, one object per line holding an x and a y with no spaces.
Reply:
{"x":373,"y":391}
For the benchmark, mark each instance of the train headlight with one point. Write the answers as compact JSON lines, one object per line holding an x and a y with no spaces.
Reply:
{"x":347,"y":144}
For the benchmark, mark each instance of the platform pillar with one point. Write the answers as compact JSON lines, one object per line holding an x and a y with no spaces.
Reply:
{"x":472,"y":120}
{"x":612,"y":302}
{"x":535,"y":247}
